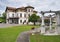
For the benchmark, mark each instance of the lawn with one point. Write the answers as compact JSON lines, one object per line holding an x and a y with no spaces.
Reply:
{"x":10,"y":34}
{"x":42,"y":38}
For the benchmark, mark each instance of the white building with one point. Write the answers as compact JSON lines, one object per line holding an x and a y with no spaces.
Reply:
{"x":19,"y":15}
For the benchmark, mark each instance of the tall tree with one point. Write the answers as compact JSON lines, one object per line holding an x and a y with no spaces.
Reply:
{"x":33,"y":18}
{"x":4,"y":17}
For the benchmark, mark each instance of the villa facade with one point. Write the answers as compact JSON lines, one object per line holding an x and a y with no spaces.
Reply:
{"x":19,"y":15}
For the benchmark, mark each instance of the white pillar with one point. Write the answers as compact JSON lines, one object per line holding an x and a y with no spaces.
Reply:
{"x":42,"y":20}
{"x":58,"y":23}
{"x":50,"y":24}
{"x":10,"y":21}
{"x":18,"y":21}
{"x":42,"y":24}
{"x":7,"y":21}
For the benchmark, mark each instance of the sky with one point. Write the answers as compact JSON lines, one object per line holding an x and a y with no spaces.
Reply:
{"x":40,"y":5}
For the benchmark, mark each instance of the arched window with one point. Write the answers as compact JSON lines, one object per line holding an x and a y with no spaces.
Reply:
{"x":20,"y":21}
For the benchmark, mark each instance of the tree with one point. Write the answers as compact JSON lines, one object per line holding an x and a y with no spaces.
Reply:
{"x":1,"y":19}
{"x":4,"y":17}
{"x":33,"y":18}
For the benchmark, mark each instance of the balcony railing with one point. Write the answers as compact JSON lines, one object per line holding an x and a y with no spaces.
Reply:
{"x":13,"y":17}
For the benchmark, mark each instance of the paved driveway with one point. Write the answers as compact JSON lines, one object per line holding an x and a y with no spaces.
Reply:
{"x":7,"y":25}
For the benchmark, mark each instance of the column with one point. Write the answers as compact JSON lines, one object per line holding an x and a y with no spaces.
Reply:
{"x":6,"y":21}
{"x":42,"y":20}
{"x":42,"y":24}
{"x":58,"y":22}
{"x":19,"y":21}
{"x":50,"y":24}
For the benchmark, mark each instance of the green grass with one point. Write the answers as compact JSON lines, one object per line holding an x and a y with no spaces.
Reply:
{"x":42,"y":38}
{"x":10,"y":34}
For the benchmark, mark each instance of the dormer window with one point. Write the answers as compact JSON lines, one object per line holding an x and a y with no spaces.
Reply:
{"x":28,"y":10}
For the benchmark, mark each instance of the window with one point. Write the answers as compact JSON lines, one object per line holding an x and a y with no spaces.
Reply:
{"x":24,"y":20}
{"x":28,"y":10}
{"x":24,"y":15}
{"x":20,"y":21}
{"x":17,"y":15}
{"x":12,"y":15}
{"x":20,"y":14}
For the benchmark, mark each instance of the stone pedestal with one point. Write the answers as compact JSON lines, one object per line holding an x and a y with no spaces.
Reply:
{"x":42,"y":29}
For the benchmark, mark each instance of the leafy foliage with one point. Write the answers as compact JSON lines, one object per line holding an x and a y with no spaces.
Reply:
{"x":1,"y":19}
{"x":4,"y":17}
{"x":33,"y":18}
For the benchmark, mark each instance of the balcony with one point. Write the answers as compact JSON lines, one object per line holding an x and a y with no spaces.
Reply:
{"x":14,"y":17}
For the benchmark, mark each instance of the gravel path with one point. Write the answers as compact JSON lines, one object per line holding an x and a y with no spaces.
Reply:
{"x":24,"y":37}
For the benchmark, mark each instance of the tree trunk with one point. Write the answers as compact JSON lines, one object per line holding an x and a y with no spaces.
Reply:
{"x":34,"y":23}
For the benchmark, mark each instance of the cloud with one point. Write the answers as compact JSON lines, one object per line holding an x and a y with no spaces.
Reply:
{"x":1,"y":11}
{"x":40,"y":5}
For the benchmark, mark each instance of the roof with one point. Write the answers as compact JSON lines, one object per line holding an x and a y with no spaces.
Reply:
{"x":21,"y":8}
{"x":35,"y":11}
{"x":10,"y":8}
{"x":29,"y":7}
